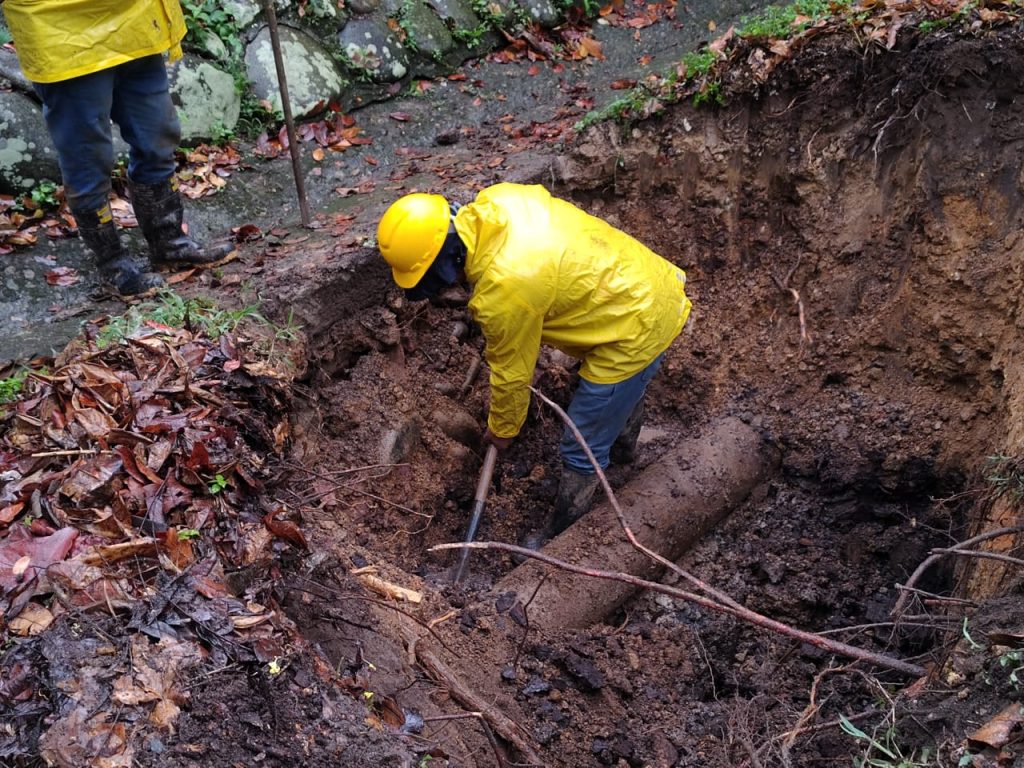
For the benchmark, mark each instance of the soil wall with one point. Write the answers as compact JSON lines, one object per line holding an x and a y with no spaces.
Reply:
{"x":850,"y":232}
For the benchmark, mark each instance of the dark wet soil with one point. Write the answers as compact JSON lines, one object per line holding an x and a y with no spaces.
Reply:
{"x":848,"y":269}
{"x":850,"y":232}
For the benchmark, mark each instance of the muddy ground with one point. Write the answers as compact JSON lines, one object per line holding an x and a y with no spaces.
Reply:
{"x":850,"y":229}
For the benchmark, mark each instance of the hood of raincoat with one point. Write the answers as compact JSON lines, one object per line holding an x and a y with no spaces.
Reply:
{"x":60,"y":39}
{"x":545,"y":272}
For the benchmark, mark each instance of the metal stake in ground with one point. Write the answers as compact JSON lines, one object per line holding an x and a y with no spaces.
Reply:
{"x":483,"y":485}
{"x":286,"y":107}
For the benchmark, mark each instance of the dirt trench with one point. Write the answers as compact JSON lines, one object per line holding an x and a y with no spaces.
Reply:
{"x":851,"y":234}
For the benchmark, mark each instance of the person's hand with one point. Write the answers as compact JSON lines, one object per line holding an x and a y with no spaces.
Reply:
{"x":501,"y":443}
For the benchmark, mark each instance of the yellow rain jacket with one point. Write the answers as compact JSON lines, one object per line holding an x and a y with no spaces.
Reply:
{"x":60,"y":39}
{"x":545,"y":272}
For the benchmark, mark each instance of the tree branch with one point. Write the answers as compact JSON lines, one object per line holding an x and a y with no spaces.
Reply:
{"x":736,"y":610}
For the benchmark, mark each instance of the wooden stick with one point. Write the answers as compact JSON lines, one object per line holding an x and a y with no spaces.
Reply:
{"x":386,"y":588}
{"x":503,"y":725}
{"x":979,"y":553}
{"x":740,"y":612}
{"x":905,"y":589}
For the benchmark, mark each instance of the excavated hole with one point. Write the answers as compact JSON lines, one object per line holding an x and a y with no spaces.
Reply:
{"x":855,"y":277}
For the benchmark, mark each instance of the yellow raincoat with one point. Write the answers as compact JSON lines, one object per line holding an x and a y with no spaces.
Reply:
{"x":60,"y":39}
{"x":545,"y":272}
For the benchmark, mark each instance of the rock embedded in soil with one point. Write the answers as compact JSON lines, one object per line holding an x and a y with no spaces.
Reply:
{"x":399,"y":442}
{"x":458,"y":425}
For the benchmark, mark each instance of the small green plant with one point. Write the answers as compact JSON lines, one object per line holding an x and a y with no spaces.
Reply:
{"x":424,"y":761}
{"x":489,"y":11}
{"x":221,"y":135}
{"x":471,"y":37}
{"x":789,"y":20}
{"x":174,"y":311}
{"x":185,"y":534}
{"x":207,"y":17}
{"x":1006,"y":475}
{"x":1014,"y":660}
{"x":882,"y":751}
{"x":969,"y":639}
{"x":404,"y":21}
{"x":12,"y":387}
{"x":933,"y":25}
{"x":698,"y":63}
{"x":254,"y":117}
{"x":710,"y":94}
{"x":44,"y":194}
{"x":217,"y":484}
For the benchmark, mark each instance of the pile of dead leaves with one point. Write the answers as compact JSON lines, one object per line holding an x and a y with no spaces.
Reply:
{"x":136,"y":538}
{"x":22,"y":221}
{"x":335,"y":131}
{"x":203,"y":171}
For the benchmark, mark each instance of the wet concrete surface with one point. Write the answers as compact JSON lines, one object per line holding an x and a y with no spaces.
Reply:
{"x":405,"y":155}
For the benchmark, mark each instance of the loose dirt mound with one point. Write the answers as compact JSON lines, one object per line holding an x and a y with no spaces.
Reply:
{"x":851,"y":236}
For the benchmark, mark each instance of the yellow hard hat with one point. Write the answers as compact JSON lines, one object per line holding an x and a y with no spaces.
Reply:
{"x":410,"y":235}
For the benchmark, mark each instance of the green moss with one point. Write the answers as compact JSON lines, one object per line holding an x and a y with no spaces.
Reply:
{"x":782,"y":22}
{"x":12,"y":387}
{"x":207,"y":17}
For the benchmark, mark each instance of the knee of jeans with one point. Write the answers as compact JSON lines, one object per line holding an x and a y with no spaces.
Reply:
{"x":576,"y":459}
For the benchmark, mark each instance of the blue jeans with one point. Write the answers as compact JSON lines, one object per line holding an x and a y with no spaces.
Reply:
{"x":78,"y":112}
{"x":600,"y":412}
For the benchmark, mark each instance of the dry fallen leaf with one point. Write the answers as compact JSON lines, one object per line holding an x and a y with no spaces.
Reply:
{"x":21,"y":565}
{"x":32,"y":620}
{"x":999,"y":729}
{"x":62,"y":276}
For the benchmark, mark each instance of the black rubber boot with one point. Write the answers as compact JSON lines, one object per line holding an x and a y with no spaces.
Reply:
{"x":125,"y":272}
{"x":575,"y":493}
{"x":624,"y":448}
{"x":160,"y":212}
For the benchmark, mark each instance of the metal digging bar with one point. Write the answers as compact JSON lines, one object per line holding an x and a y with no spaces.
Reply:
{"x":286,"y":107}
{"x":479,"y":502}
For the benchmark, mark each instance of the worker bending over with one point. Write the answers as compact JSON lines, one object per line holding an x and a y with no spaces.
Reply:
{"x":542,"y":271}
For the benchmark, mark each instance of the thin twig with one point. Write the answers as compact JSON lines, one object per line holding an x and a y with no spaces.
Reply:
{"x":526,"y":620}
{"x":979,"y":553}
{"x":336,"y":486}
{"x":341,"y":596}
{"x":895,"y":624}
{"x":740,"y":612}
{"x":935,"y":556}
{"x":785,"y":287}
{"x":613,"y":500}
{"x":479,"y":716}
{"x":74,"y":452}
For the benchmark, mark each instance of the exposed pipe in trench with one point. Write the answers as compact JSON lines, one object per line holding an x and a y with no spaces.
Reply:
{"x":669,"y":506}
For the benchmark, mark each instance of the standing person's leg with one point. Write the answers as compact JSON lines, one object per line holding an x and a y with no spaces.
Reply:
{"x":77,"y":114}
{"x":143,"y":109}
{"x":602,"y":413}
